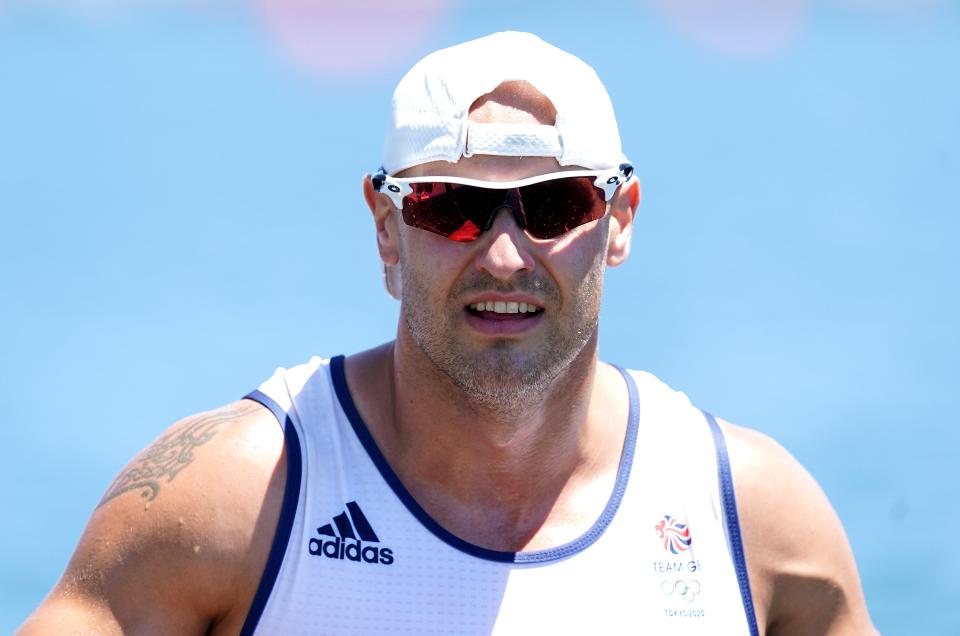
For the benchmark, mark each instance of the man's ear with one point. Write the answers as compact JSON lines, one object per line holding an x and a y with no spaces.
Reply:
{"x":386,"y":223}
{"x":622,"y":210}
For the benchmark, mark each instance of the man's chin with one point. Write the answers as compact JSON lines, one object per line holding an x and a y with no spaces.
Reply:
{"x":501,"y":377}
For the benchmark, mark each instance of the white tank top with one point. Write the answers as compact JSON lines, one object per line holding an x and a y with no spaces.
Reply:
{"x":355,"y":554}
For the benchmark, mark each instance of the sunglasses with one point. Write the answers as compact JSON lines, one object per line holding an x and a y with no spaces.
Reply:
{"x":546,"y":206}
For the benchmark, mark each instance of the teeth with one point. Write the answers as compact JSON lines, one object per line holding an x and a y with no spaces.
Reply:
{"x":502,"y":307}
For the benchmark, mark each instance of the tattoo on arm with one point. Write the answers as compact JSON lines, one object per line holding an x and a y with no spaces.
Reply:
{"x":173,"y":452}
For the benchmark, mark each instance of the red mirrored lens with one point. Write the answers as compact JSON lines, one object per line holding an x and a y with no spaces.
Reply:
{"x":461,"y":212}
{"x":555,"y":207}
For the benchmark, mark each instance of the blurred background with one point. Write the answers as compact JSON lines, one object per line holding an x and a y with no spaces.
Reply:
{"x":180,"y":213}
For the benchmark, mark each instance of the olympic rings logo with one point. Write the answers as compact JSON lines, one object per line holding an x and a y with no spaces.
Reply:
{"x":687,"y":590}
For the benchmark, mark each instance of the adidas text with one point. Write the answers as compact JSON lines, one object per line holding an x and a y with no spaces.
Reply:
{"x":351,"y":550}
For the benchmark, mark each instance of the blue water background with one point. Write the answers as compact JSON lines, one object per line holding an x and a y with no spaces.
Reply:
{"x":180,"y":213}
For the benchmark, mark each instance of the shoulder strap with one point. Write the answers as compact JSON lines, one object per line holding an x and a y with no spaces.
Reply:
{"x":288,"y":511}
{"x":732,"y":521}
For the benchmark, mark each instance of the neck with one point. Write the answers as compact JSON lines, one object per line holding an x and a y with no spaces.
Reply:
{"x":493,"y":476}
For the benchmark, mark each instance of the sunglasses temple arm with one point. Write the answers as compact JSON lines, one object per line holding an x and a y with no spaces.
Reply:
{"x":396,"y":190}
{"x":610,"y":182}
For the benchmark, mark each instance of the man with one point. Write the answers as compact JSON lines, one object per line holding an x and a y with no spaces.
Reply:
{"x":484,"y":472}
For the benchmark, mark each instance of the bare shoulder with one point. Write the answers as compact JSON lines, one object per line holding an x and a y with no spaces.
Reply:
{"x":179,"y":540}
{"x":802,"y":571}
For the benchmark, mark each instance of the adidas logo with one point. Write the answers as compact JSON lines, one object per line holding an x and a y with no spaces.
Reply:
{"x":345,"y":544}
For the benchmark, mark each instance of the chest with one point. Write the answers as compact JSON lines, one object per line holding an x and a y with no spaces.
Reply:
{"x":368,"y":565}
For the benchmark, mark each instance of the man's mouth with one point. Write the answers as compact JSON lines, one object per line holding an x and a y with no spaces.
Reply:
{"x":504,"y":310}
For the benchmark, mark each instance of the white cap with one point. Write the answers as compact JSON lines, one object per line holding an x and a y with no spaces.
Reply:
{"x":429,"y":117}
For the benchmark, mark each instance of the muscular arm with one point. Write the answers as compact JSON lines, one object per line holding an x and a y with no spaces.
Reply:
{"x":802,"y":572}
{"x":179,"y":540}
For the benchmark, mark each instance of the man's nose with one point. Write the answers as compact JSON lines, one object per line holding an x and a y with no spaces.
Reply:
{"x":506,"y":248}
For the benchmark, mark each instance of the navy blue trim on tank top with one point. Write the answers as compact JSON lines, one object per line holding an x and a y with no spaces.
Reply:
{"x":288,"y":511}
{"x":532,"y":557}
{"x":733,"y":522}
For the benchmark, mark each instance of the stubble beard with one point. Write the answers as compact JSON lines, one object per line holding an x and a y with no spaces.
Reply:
{"x":505,"y":376}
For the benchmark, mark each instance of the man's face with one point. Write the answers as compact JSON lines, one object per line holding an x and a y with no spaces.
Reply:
{"x":502,"y":359}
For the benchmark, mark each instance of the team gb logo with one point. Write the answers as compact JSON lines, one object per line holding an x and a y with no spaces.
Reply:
{"x":676,"y":536}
